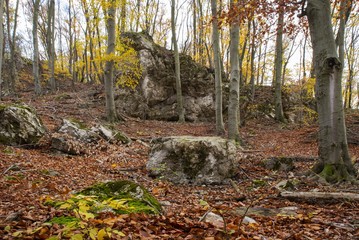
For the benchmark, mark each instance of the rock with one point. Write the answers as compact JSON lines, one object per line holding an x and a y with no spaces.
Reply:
{"x":135,"y":197}
{"x":75,"y":138}
{"x":20,"y":125}
{"x":155,"y":95}
{"x":248,"y":220}
{"x":198,"y":160}
{"x":214,"y":219}
{"x":279,"y":163}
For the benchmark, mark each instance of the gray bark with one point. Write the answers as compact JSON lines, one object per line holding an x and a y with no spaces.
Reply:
{"x":109,"y":66}
{"x":217,"y":69}
{"x":334,"y":160}
{"x":180,"y":109}
{"x":1,"y":42}
{"x":51,"y":42}
{"x":36,"y":47}
{"x":233,"y":106}
{"x":279,"y":116}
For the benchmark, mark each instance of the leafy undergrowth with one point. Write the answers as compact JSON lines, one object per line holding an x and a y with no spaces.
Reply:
{"x":33,"y":177}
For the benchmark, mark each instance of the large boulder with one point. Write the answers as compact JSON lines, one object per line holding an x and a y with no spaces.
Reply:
{"x":20,"y":125}
{"x":198,"y":160}
{"x":155,"y":95}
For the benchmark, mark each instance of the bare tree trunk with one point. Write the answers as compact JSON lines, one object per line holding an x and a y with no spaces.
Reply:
{"x":1,"y":42}
{"x":233,"y":106}
{"x":334,"y":161}
{"x":180,"y":109}
{"x":279,"y":116}
{"x":51,"y":42}
{"x":243,"y":53}
{"x":109,"y":66}
{"x":37,"y":83}
{"x":253,"y":54}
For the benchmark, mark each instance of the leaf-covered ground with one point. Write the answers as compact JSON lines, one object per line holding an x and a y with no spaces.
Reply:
{"x":29,"y":176}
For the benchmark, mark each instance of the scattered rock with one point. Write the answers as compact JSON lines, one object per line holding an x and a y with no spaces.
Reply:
{"x":20,"y":125}
{"x":279,"y":163}
{"x":214,"y":219}
{"x":198,"y":160}
{"x":248,"y":220}
{"x":75,"y":138}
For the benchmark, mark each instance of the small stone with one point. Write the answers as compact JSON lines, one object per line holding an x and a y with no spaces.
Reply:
{"x":248,"y":220}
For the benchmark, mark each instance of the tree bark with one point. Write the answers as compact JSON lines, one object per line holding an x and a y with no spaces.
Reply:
{"x":180,"y":109}
{"x":279,"y":116}
{"x":1,"y":42}
{"x":51,"y":43}
{"x":334,"y":161}
{"x":233,"y":105}
{"x":217,"y":69}
{"x":109,"y":66}
{"x":36,"y":63}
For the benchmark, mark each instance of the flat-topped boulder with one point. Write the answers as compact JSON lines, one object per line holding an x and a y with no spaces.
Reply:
{"x":197,"y":160}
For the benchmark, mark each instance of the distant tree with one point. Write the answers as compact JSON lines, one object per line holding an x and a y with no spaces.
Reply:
{"x":334,"y":161}
{"x":1,"y":42}
{"x":217,"y":69}
{"x":233,"y":106}
{"x":50,"y":40}
{"x":180,"y":109}
{"x":36,"y":6}
{"x":110,"y":9}
{"x":279,"y":115}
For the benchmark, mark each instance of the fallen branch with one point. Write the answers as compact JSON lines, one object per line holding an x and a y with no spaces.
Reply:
{"x":320,"y":195}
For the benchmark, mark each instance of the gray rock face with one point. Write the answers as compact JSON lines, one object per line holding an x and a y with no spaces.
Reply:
{"x":20,"y":124}
{"x":198,"y":160}
{"x":155,"y":95}
{"x":75,"y":139}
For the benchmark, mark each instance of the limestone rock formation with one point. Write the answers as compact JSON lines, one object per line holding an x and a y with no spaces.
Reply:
{"x":198,"y":160}
{"x":155,"y":95}
{"x":20,"y":125}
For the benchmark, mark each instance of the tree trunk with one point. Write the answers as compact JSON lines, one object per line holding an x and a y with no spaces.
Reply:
{"x":253,"y":54}
{"x":180,"y":109}
{"x":233,"y":105}
{"x":36,"y":48}
{"x":51,"y":43}
{"x":217,"y":70}
{"x":334,"y":161}
{"x":279,"y":116}
{"x":109,"y":66}
{"x":1,"y":42}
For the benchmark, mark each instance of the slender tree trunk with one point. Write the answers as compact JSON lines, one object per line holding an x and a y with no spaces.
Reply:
{"x":233,"y":106}
{"x":194,"y":19}
{"x":51,"y":43}
{"x":242,"y":55}
{"x":180,"y":109}
{"x":37,"y":83}
{"x":217,"y":69}
{"x":253,"y":54}
{"x":109,"y":66}
{"x":123,"y":14}
{"x":1,"y":43}
{"x":264,"y":63}
{"x":279,"y":116}
{"x":334,"y":161}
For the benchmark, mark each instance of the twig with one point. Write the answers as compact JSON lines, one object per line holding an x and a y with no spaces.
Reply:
{"x":205,"y":215}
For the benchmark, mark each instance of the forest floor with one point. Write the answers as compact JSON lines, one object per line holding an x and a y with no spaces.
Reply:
{"x":42,"y":173}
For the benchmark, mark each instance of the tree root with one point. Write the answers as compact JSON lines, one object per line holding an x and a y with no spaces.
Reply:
{"x":334,"y":173}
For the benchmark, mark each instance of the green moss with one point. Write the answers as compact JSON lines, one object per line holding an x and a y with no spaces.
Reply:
{"x":78,"y":123}
{"x":333,"y":173}
{"x":64,"y":220}
{"x":137,"y":198}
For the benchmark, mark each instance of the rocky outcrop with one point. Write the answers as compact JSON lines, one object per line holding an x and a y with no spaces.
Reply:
{"x":74,"y":138}
{"x":20,"y":125}
{"x":198,"y":160}
{"x":155,"y":95}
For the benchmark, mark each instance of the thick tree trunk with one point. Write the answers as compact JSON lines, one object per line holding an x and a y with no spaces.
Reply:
{"x":217,"y":69}
{"x":279,"y":116}
{"x":111,"y":41}
{"x":233,"y":106}
{"x":36,"y":48}
{"x":334,"y":161}
{"x":180,"y":109}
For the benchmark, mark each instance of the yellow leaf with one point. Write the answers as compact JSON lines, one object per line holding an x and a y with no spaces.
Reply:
{"x":119,"y":233}
{"x":65,"y":206}
{"x":101,"y":234}
{"x":93,"y":233}
{"x":77,"y":237}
